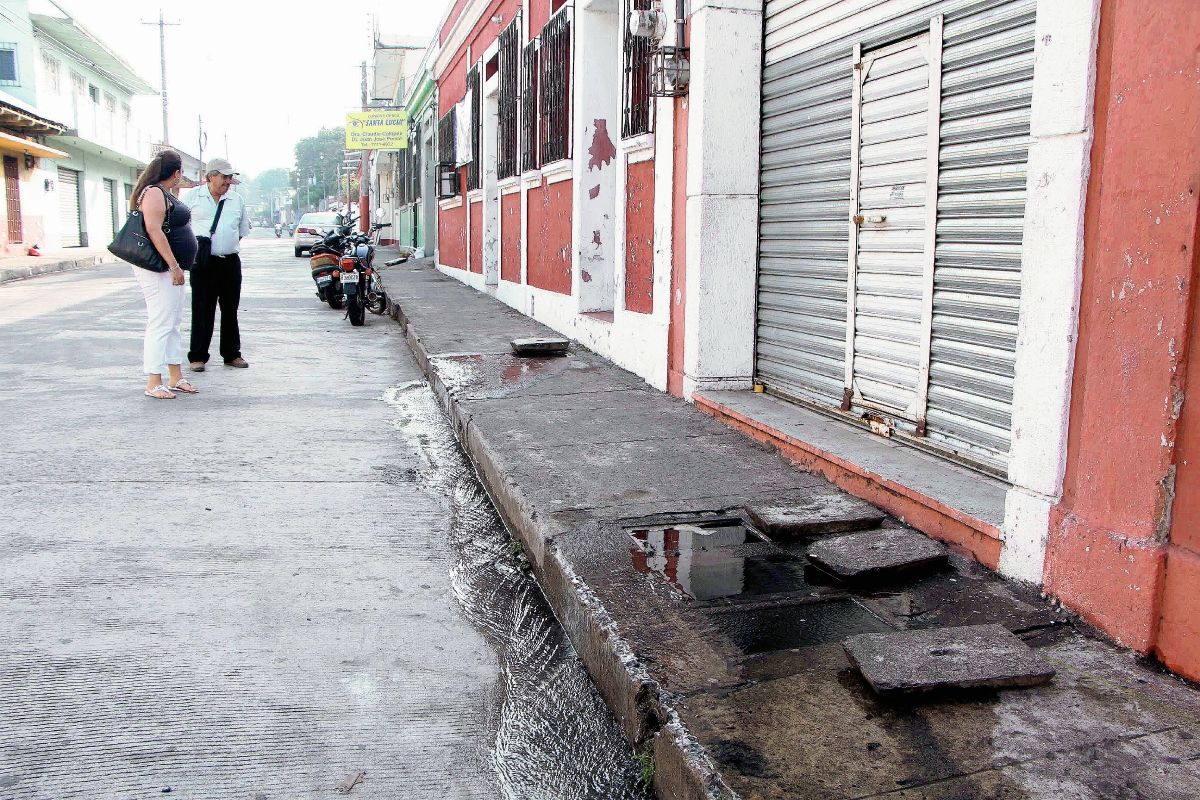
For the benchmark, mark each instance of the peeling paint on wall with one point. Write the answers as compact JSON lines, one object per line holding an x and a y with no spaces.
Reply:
{"x":602,"y":150}
{"x":510,"y":238}
{"x":549,"y":236}
{"x":639,"y":238}
{"x":452,"y":237}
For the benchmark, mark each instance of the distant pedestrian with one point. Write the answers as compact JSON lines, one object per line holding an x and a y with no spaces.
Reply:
{"x":220,"y":218}
{"x":164,"y":291}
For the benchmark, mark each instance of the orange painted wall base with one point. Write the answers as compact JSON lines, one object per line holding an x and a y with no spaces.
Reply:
{"x":964,"y":534}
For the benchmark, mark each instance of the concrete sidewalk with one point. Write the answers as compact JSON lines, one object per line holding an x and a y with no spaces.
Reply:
{"x":748,"y":692}
{"x":17,"y":267}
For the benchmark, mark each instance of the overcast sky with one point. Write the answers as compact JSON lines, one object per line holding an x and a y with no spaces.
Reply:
{"x":264,"y":72}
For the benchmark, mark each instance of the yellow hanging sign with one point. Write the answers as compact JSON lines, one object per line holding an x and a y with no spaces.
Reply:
{"x":377,"y":130}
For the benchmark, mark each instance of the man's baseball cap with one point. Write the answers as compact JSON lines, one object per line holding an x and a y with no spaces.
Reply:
{"x":220,"y":165}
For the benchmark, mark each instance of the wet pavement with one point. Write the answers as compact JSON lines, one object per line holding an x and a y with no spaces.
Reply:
{"x":720,"y":647}
{"x":269,"y":588}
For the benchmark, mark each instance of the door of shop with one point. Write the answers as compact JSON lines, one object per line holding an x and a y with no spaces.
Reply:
{"x":892,"y":205}
{"x":68,"y":207}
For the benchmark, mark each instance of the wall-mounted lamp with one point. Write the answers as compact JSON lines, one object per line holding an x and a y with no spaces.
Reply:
{"x":498,"y":19}
{"x":30,"y":161}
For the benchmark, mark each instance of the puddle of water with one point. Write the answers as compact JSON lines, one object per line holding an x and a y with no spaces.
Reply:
{"x":762,"y":630}
{"x":718,"y":560}
{"x":554,"y":737}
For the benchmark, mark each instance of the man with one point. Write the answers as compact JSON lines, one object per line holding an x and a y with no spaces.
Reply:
{"x":219,"y":281}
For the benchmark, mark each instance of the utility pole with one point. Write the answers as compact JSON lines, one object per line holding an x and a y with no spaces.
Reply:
{"x":162,"y":51}
{"x":364,"y":85}
{"x":202,"y":139}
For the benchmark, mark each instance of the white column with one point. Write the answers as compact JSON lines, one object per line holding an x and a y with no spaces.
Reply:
{"x":1064,"y":80}
{"x":722,"y":193}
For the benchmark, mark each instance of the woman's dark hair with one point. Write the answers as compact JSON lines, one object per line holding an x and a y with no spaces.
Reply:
{"x":161,"y":167}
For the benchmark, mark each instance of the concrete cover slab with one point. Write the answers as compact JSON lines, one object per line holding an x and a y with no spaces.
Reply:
{"x":876,"y":553}
{"x":960,"y":658}
{"x":814,"y":514}
{"x":540,"y":346}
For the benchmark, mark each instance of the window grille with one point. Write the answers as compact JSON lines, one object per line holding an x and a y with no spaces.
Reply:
{"x":637,"y":112}
{"x":126,"y":112}
{"x":8,"y":64}
{"x":110,"y":103}
{"x":78,"y":84}
{"x":401,"y":177}
{"x":555,"y":90}
{"x":509,"y":50}
{"x":94,"y":93}
{"x":12,"y":198}
{"x":529,"y":107}
{"x":414,"y":151}
{"x":476,"y":90}
{"x":447,"y":175}
{"x":52,"y":68}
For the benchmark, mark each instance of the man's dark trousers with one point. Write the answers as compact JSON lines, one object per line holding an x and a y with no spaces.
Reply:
{"x":217,"y":283}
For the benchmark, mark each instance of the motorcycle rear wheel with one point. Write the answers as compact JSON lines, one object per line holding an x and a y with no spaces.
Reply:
{"x":334,"y":299}
{"x":357,"y":314}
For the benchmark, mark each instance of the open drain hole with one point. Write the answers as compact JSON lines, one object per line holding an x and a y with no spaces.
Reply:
{"x":715,"y":559}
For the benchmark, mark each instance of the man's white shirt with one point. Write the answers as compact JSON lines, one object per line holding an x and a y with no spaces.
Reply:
{"x":233,"y":225}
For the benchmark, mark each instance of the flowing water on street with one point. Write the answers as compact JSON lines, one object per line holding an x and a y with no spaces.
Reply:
{"x":554,"y":737}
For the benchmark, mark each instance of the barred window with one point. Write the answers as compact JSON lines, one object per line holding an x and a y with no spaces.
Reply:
{"x":414,"y":151}
{"x":52,"y":69}
{"x":637,"y":112}
{"x":529,"y":107}
{"x":554,"y":94}
{"x":110,"y":103}
{"x":445,"y":134}
{"x":126,"y":112}
{"x":8,"y":64}
{"x":476,"y":91}
{"x":78,"y":83}
{"x":506,"y":157}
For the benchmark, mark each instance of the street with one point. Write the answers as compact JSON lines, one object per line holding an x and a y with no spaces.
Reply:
{"x":288,"y":585}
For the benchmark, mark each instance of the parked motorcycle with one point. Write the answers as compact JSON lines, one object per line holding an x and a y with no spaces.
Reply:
{"x":342,"y":267}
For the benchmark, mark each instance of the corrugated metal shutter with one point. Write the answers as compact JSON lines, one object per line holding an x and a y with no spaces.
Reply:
{"x":987,"y":89}
{"x":803,"y":238}
{"x":808,"y":90}
{"x":890,"y":262}
{"x":68,"y":207}
{"x":107,"y":215}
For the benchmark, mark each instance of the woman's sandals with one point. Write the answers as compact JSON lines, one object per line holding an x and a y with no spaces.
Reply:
{"x":160,"y":392}
{"x":184,"y":386}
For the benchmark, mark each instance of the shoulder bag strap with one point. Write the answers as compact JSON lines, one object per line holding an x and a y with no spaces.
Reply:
{"x":217,"y":217}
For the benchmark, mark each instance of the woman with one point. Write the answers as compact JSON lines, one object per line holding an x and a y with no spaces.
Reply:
{"x":164,"y":291}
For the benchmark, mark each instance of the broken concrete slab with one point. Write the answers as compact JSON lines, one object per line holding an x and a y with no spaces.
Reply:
{"x":956,"y":658}
{"x":541,"y":346}
{"x":874,"y":554}
{"x":813,"y":515}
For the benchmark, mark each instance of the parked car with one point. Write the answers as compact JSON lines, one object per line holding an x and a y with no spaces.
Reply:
{"x":311,"y":229}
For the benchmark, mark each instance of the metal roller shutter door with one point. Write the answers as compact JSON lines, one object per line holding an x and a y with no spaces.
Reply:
{"x":808,"y":88}
{"x":108,"y":213}
{"x":68,"y":207}
{"x":987,"y":91}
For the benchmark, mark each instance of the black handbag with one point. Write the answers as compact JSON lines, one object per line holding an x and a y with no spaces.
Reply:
{"x":133,"y":244}
{"x":204,"y":243}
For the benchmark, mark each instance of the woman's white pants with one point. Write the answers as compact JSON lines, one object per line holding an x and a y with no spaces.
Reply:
{"x":164,"y":315}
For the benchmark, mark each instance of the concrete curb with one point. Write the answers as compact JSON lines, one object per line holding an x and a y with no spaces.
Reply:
{"x":682,"y":769}
{"x":33,"y":270}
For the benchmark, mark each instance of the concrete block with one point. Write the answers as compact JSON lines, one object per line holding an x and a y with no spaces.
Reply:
{"x":959,"y":658}
{"x":541,"y":346}
{"x":826,"y":512}
{"x":876,"y":554}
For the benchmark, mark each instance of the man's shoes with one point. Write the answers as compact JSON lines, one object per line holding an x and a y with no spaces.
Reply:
{"x":238,"y":362}
{"x":197,"y":366}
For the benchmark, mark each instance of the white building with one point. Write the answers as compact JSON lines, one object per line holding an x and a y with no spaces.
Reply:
{"x":81,"y":83}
